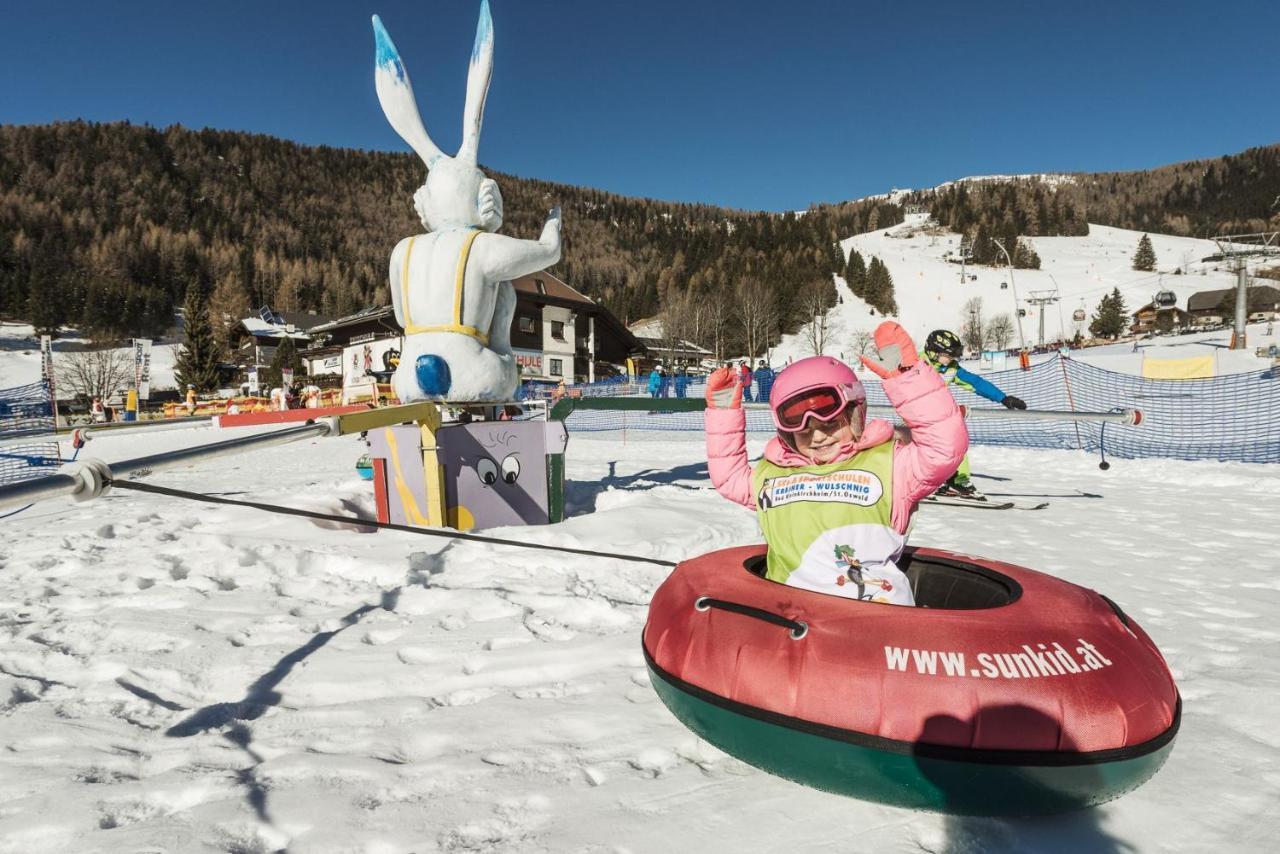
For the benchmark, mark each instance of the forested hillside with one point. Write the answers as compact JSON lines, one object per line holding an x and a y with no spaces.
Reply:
{"x":1236,"y":194}
{"x":105,"y":226}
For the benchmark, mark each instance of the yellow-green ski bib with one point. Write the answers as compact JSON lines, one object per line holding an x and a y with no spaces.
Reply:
{"x":829,"y":527}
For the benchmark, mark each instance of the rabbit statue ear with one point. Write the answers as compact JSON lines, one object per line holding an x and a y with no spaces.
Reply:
{"x":478,"y":75}
{"x":396,"y":96}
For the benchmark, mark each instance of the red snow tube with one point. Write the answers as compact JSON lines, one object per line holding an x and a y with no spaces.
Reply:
{"x":1004,"y":692}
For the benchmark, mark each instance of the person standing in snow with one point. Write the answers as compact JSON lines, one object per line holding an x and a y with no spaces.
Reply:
{"x":942,"y":350}
{"x":744,"y":376}
{"x":655,"y":382}
{"x":764,"y":380}
{"x":664,"y":384}
{"x":834,"y":492}
{"x":191,"y":399}
{"x":681,"y":382}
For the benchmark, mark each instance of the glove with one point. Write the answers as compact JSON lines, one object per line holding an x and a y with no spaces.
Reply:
{"x":1013,"y":402}
{"x":724,"y":391}
{"x":896,"y":352}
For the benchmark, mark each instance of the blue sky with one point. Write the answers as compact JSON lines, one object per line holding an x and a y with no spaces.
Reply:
{"x":762,"y":105}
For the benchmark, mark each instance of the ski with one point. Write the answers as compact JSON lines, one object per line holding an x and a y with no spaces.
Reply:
{"x":969,"y":502}
{"x":1076,"y":494}
{"x":978,"y":504}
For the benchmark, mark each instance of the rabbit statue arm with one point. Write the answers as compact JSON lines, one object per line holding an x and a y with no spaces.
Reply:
{"x":505,"y":258}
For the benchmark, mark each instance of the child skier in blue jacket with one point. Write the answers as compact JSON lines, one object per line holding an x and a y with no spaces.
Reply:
{"x":943,"y":350}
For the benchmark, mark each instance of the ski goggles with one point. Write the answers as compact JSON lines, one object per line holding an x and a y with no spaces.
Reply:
{"x":825,"y":404}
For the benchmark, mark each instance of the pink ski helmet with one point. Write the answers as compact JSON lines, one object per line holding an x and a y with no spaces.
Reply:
{"x":818,"y":387}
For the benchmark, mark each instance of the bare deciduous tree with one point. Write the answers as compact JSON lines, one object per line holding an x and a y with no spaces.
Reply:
{"x":94,"y":373}
{"x":973,"y":331}
{"x":862,"y":341}
{"x":1000,"y":331}
{"x":756,"y":314}
{"x":693,"y":318}
{"x":816,"y":300}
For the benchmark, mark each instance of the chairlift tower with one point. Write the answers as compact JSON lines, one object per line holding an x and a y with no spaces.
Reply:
{"x":1040,"y":299}
{"x":1237,"y":249}
{"x":966,"y":253}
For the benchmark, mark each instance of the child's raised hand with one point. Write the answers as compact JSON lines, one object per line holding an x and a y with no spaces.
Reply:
{"x":896,"y":351}
{"x":724,"y":391}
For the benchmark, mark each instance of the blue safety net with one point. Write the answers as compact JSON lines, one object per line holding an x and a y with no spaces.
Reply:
{"x":1234,"y":417}
{"x":26,"y":412}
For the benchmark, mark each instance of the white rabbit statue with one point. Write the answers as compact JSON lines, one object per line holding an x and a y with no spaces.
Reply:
{"x":451,"y":287}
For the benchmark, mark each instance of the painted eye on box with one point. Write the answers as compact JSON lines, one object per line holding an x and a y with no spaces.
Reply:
{"x":511,"y":468}
{"x":487,"y":469}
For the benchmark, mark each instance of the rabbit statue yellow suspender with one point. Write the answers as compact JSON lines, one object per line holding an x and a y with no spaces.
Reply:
{"x":459,"y":290}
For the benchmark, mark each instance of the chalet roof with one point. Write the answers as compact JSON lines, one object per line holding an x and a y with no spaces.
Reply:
{"x":544,"y":284}
{"x":648,"y":327}
{"x":657,"y":345}
{"x":364,"y":314}
{"x":259,"y":328}
{"x":1260,"y":296}
{"x":304,"y":320}
{"x":1151,"y":307}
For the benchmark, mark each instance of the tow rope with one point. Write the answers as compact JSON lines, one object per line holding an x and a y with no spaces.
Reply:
{"x":138,"y":486}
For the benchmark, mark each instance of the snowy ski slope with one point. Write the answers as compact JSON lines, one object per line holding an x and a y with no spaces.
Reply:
{"x":1080,"y":270}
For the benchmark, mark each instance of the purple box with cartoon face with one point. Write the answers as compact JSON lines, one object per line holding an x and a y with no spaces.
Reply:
{"x":495,"y":472}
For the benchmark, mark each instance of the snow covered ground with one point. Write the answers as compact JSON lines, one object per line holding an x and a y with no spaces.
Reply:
{"x":183,"y":677}
{"x":1080,"y":270}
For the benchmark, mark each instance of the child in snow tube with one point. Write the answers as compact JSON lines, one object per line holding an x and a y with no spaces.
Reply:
{"x":834,"y":492}
{"x":942,"y":350}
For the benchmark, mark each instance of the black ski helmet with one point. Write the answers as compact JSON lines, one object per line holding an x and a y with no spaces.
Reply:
{"x":944,"y":341}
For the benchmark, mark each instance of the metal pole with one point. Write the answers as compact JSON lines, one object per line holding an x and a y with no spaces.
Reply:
{"x":1132,"y":417}
{"x":1242,"y":307}
{"x":37,"y":489}
{"x":591,"y":348}
{"x":123,"y":428}
{"x":154,"y":424}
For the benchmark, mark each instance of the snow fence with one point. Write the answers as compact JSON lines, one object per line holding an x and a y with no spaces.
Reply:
{"x":1234,"y":417}
{"x":26,"y":411}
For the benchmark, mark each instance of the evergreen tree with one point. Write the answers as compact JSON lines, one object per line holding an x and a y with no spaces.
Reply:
{"x":49,"y":294}
{"x":888,"y":304}
{"x":1110,"y":320}
{"x":1025,"y":258}
{"x":286,"y":357}
{"x":983,"y":249}
{"x":1145,"y":258}
{"x":855,"y":273}
{"x":879,"y":294}
{"x":197,"y":363}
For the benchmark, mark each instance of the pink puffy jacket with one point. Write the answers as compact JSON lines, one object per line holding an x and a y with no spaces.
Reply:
{"x":939,"y":441}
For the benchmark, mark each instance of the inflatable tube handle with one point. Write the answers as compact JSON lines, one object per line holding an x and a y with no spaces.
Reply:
{"x":798,"y":628}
